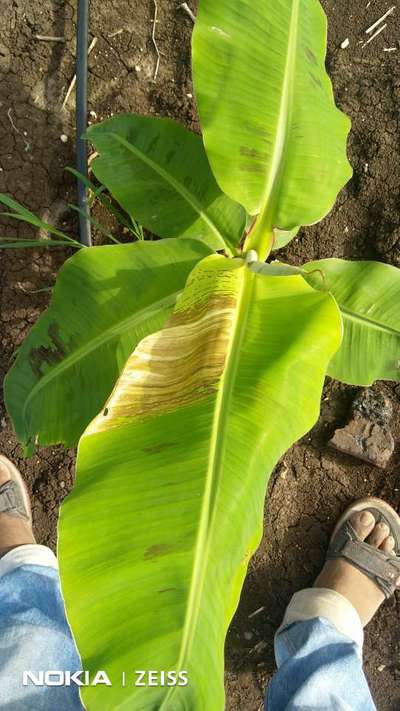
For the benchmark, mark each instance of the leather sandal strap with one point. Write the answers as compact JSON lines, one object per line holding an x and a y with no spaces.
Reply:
{"x":383,"y":569}
{"x":12,"y":501}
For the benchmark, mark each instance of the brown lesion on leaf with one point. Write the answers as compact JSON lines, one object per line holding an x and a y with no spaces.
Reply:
{"x":252,"y":153}
{"x":48,"y":355}
{"x":164,"y":590}
{"x":252,"y":167}
{"x":311,"y":56}
{"x":316,"y":80}
{"x":256,"y":130}
{"x":157,"y":448}
{"x":157,"y":551}
{"x":199,"y":311}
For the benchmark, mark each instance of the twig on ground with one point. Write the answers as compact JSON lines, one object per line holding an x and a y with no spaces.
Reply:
{"x":185,"y":7}
{"x":33,"y":291}
{"x":153,"y":37}
{"x":378,"y":32}
{"x":381,"y":19}
{"x":256,"y":612}
{"x":49,"y":38}
{"x":16,"y":129}
{"x":116,"y":33}
{"x":73,"y":82}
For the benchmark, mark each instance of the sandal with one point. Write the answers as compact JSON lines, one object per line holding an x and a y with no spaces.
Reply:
{"x":345,"y":543}
{"x":14,"y":497}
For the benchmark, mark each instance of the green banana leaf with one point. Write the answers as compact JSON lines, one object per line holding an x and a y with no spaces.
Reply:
{"x":282,"y":237}
{"x":105,"y":301}
{"x":273,"y":135}
{"x":368,"y":295}
{"x":155,"y":539}
{"x":159,"y":172}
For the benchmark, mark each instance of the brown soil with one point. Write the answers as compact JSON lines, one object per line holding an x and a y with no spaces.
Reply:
{"x":311,"y":485}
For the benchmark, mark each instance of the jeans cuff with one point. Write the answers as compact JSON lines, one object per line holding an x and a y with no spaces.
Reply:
{"x":327,"y":604}
{"x":29,"y":554}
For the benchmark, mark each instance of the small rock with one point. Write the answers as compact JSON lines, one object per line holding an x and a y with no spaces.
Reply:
{"x":374,"y":406}
{"x":62,"y":484}
{"x":248,"y":636}
{"x":64,"y":138}
{"x":345,"y":43}
{"x":367,"y":436}
{"x":3,"y":423}
{"x":365,"y":440}
{"x":381,"y":667}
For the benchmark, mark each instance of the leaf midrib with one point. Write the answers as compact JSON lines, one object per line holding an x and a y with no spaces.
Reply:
{"x":87,"y":348}
{"x":208,"y":511}
{"x":178,"y":187}
{"x":355,"y":316}
{"x":273,"y":183}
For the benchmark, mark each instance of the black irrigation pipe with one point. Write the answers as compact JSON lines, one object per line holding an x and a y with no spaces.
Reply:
{"x":81,"y":118}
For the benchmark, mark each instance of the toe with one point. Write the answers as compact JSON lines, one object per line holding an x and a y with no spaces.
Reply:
{"x":378,"y":535}
{"x":4,"y":473}
{"x":363,"y":523}
{"x":388,"y":546}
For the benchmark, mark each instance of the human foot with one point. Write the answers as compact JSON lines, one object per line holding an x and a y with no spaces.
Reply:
{"x":15,"y":530}
{"x":343,"y":577}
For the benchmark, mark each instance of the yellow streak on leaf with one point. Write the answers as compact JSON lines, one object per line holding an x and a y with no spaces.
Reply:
{"x":179,"y":365}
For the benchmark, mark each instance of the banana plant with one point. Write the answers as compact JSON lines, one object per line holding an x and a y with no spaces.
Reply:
{"x":187,"y":366}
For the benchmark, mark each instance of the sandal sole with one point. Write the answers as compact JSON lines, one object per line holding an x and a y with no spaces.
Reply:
{"x":16,"y":476}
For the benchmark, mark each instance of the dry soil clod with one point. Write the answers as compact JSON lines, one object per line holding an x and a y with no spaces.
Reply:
{"x":367,"y":435}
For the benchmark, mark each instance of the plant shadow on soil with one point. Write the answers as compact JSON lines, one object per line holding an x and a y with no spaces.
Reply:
{"x":311,"y":485}
{"x":32,"y":160}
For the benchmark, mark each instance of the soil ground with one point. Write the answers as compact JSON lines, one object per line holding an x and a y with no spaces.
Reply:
{"x":311,"y":485}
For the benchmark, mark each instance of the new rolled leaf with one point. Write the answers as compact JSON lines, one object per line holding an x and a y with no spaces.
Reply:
{"x":273,"y":135}
{"x":171,"y":476}
{"x":105,"y":301}
{"x":368,"y":295}
{"x":159,"y":172}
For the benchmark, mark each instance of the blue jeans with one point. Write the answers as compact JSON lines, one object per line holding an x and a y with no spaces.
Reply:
{"x":318,"y":655}
{"x":34,"y":633}
{"x":318,"y":668}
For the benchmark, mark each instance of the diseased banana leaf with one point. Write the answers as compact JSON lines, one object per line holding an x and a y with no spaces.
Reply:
{"x":105,"y":301}
{"x":168,"y":504}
